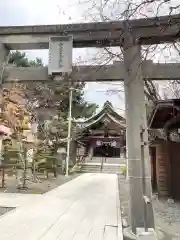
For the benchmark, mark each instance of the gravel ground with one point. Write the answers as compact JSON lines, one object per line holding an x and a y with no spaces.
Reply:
{"x":167,"y":215}
{"x":40,"y":187}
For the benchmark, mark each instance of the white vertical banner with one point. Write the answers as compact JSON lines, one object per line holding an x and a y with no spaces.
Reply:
{"x":60,"y":54}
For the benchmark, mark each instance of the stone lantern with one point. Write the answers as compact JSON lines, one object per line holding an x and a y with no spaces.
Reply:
{"x":29,"y":142}
{"x":62,"y":158}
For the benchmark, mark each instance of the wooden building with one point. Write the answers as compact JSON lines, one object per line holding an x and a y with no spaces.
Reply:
{"x":164,"y":126}
{"x":103,"y":134}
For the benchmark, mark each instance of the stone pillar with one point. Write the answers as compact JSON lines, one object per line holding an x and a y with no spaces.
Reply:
{"x":4,"y":53}
{"x":135,"y":121}
{"x":1,"y":145}
{"x":121,"y":151}
{"x":90,"y":153}
{"x":73,"y":153}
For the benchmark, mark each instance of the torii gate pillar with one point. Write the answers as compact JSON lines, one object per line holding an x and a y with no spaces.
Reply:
{"x":136,"y":120}
{"x":4,"y":53}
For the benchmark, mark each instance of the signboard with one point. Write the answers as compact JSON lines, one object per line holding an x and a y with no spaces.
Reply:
{"x":30,"y":154}
{"x":60,"y":54}
{"x":111,"y":143}
{"x":81,"y":151}
{"x":61,"y":150}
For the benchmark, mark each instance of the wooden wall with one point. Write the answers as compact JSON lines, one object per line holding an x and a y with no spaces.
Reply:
{"x":175,"y":169}
{"x":161,"y":162}
{"x":167,"y":168}
{"x":162,"y":168}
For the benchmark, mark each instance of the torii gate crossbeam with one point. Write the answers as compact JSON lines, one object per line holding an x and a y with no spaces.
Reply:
{"x":100,"y":34}
{"x":98,"y":73}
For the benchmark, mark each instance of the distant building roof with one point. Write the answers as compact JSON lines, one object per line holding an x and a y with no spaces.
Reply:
{"x":166,"y":115}
{"x":107,"y":112}
{"x":163,"y":112}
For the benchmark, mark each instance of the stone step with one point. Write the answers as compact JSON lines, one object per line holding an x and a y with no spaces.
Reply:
{"x":84,"y":171}
{"x":95,"y":168}
{"x":108,"y":160}
{"x":98,"y":169}
{"x":104,"y":166}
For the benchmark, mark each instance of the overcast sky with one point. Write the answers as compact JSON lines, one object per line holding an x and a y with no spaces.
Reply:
{"x":20,"y":12}
{"x":32,"y":12}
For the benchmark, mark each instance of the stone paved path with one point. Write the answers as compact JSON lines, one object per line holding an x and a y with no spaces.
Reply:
{"x":17,"y":199}
{"x":84,"y":208}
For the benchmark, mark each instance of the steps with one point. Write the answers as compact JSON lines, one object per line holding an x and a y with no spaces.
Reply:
{"x":108,"y":160}
{"x":96,"y":168}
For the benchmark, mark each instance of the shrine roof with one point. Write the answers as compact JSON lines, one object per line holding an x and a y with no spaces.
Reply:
{"x":163,"y":112}
{"x":107,"y":112}
{"x":104,"y":117}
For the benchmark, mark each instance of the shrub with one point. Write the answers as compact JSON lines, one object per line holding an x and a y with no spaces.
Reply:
{"x":124,"y":171}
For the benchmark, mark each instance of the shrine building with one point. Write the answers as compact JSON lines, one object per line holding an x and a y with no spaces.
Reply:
{"x":103,"y":134}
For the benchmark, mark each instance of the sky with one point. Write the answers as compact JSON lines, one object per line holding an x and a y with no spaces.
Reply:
{"x":41,"y":12}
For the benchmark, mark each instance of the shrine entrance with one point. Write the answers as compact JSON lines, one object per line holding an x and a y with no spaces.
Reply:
{"x":106,"y":150}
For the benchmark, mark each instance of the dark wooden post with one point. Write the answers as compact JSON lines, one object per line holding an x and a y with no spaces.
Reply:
{"x":169,"y":165}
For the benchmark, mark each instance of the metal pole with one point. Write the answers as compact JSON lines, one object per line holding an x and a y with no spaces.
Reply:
{"x":69,"y":130}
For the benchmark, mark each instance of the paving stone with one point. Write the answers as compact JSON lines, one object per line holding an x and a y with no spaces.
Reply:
{"x":84,"y":208}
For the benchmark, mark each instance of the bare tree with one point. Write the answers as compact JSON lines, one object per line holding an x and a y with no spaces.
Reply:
{"x":107,"y":10}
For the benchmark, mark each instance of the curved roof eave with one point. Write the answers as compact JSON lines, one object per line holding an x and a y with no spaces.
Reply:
{"x":95,"y":121}
{"x":114,"y":120}
{"x":100,"y":118}
{"x":106,"y":105}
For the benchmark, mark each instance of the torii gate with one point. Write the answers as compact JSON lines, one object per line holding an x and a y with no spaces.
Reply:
{"x":130,"y":35}
{"x":98,"y":73}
